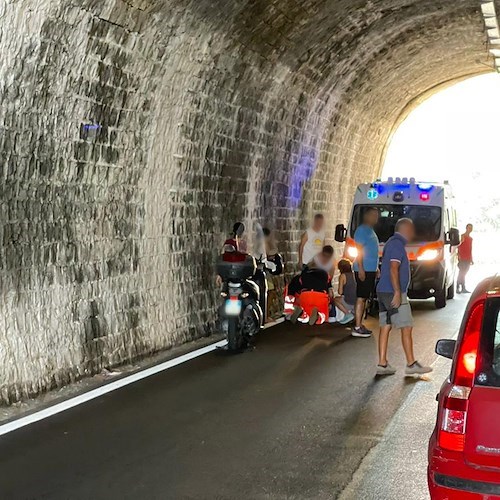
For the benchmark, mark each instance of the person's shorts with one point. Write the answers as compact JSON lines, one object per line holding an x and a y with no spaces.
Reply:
{"x":365,"y":289}
{"x":398,"y":318}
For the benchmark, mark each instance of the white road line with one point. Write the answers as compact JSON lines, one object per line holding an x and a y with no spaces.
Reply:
{"x":112,"y":386}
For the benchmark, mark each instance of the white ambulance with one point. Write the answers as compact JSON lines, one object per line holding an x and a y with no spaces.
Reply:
{"x":433,"y":254}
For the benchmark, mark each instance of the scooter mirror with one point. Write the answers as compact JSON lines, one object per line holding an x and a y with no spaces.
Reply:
{"x":259,"y":243}
{"x":239,"y":229}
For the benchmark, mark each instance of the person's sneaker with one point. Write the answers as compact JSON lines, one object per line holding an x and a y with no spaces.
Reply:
{"x":314,"y":317}
{"x":303,"y":318}
{"x":417,"y":369}
{"x":366,"y":329}
{"x":346,"y":319}
{"x":332,"y":319}
{"x":297,"y":311}
{"x":360,"y":332}
{"x":386,"y":370}
{"x":464,"y":290}
{"x":321,"y":318}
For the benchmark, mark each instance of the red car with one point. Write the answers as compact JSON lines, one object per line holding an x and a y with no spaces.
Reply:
{"x":464,"y":450}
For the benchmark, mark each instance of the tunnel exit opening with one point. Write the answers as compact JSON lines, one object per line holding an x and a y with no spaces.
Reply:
{"x":451,"y":136}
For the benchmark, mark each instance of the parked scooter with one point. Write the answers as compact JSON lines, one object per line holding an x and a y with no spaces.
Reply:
{"x":240,"y":312}
{"x":244,"y":291}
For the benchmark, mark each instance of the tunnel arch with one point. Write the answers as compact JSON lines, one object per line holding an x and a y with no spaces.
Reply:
{"x":135,"y":132}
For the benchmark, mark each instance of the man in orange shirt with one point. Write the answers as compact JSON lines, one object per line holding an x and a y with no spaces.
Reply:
{"x":464,"y":258}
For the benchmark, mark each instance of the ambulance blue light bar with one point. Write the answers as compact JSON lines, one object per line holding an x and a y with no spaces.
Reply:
{"x":400,"y":188}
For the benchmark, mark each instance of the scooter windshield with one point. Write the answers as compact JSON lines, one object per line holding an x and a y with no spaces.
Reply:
{"x":258,"y":244}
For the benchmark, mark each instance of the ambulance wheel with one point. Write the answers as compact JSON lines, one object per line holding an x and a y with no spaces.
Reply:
{"x":440,"y":298}
{"x":450,"y":294}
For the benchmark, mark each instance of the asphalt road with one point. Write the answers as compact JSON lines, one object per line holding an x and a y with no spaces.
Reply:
{"x":292,"y":419}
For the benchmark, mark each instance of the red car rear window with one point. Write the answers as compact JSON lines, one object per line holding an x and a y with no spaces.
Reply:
{"x":488,"y":372}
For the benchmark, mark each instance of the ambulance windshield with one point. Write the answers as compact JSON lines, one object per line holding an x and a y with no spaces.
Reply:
{"x":427,"y":220}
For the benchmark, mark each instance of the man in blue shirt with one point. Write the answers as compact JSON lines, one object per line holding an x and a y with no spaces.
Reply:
{"x":365,"y":267}
{"x":395,"y":310}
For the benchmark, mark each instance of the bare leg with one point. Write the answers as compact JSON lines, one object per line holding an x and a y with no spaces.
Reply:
{"x":465,"y":271}
{"x":340,"y":304}
{"x":383,"y":340}
{"x":407,"y":340}
{"x":359,"y":311}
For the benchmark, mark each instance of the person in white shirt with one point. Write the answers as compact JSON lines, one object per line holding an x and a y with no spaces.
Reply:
{"x":312,"y":241}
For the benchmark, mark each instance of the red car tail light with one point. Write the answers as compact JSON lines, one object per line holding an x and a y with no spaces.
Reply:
{"x":453,"y":442}
{"x":467,"y":355}
{"x":451,"y":434}
{"x":454,"y":421}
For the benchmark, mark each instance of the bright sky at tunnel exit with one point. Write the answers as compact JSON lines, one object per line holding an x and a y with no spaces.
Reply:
{"x":453,"y":136}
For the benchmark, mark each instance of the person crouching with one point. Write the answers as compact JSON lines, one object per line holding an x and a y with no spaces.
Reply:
{"x":346,"y":299}
{"x":308,"y":296}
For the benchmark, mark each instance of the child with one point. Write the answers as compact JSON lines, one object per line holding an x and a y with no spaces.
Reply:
{"x":347,"y":287}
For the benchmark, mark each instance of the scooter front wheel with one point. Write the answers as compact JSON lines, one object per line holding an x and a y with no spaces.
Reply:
{"x":234,"y":336}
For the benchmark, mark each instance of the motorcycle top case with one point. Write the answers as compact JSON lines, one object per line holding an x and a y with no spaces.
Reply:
{"x":236,"y":266}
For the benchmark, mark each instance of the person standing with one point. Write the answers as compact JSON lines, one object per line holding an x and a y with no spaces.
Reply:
{"x":312,"y":241}
{"x":365,"y":267}
{"x":395,"y":310}
{"x":464,"y":258}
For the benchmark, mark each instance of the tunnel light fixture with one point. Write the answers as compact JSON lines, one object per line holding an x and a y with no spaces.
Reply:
{"x":490,"y":19}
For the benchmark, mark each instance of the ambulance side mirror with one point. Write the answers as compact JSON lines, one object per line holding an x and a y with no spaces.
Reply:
{"x":340,"y":233}
{"x":453,"y":237}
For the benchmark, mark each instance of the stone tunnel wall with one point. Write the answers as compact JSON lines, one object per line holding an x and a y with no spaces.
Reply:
{"x":134,"y":133}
